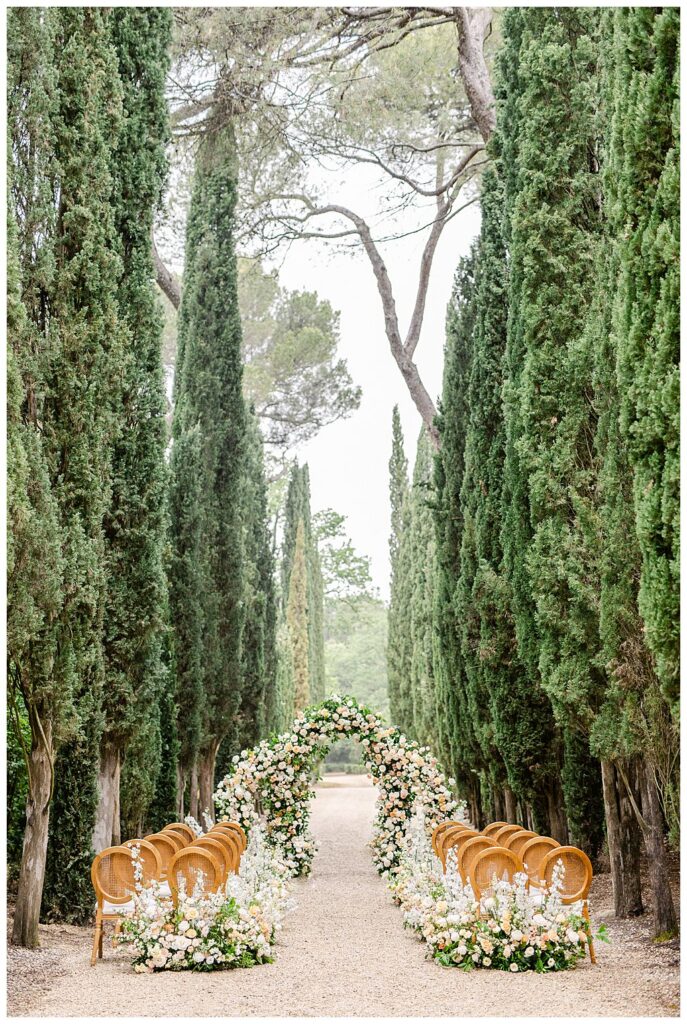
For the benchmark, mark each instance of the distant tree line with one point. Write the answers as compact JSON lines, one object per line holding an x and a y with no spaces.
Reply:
{"x":534,"y":635}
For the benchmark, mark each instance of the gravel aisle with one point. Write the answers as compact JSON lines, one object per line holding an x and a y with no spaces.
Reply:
{"x":343,"y":952}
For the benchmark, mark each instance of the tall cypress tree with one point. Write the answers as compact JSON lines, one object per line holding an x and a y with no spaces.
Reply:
{"x":458,"y":741}
{"x":297,"y":621}
{"x":209,"y":401}
{"x":135,"y":523}
{"x":398,"y":493}
{"x":553,"y":205}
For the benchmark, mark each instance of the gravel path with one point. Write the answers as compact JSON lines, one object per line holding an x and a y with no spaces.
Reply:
{"x":343,"y":952}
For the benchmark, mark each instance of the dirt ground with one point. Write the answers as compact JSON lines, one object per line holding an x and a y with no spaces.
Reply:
{"x":344,"y":952}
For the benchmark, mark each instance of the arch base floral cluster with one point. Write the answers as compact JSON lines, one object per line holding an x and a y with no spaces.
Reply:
{"x":275,"y":780}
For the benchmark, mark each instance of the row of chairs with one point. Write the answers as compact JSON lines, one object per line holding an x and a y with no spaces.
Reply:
{"x":503,"y":850}
{"x":167,"y":857}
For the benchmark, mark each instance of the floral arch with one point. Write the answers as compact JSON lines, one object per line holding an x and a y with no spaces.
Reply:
{"x":275,"y":780}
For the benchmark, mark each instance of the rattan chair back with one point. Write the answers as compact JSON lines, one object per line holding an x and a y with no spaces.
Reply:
{"x":489,"y":830}
{"x":469,"y":850}
{"x":165,"y":846}
{"x":199,"y":868}
{"x":183,"y":829}
{"x":454,"y":840}
{"x":177,"y":838}
{"x":148,"y":857}
{"x":504,"y":832}
{"x":516,"y":840}
{"x":441,"y":828}
{"x":578,"y":872}
{"x":533,"y":853}
{"x":233,"y":826}
{"x":223,"y":855}
{"x":112,"y":874}
{"x":232,"y":844}
{"x":496,"y":863}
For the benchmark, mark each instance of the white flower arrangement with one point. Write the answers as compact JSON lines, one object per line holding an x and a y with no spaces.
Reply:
{"x":513,"y":929}
{"x":275,"y":779}
{"x":233,"y":927}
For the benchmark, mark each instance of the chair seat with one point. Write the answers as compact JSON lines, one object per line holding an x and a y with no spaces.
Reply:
{"x":118,"y":908}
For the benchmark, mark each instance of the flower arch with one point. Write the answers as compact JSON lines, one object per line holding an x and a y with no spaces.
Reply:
{"x":275,"y":780}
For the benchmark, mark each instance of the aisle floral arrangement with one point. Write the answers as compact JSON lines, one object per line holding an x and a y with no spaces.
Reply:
{"x":512,"y":929}
{"x":275,"y":779}
{"x":234,"y":927}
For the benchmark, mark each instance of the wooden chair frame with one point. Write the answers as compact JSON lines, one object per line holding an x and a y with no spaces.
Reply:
{"x":102,"y":895}
{"x":170,"y":847}
{"x":497,"y":852}
{"x":453,"y":840}
{"x":232,"y":826}
{"x":183,"y":829}
{"x":441,"y":827}
{"x":466,"y":850}
{"x":504,"y":832}
{"x":216,"y":847}
{"x":534,"y":873}
{"x":546,"y":870}
{"x":232,"y":844}
{"x":177,"y":838}
{"x":516,"y":838}
{"x":145,"y":844}
{"x":494,"y":827}
{"x":213,"y":865}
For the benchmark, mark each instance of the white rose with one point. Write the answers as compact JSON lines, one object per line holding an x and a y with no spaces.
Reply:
{"x":514,"y":968}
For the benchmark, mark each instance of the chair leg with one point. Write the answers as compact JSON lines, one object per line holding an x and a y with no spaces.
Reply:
{"x":585,"y":911}
{"x":117,"y":930}
{"x":97,"y":938}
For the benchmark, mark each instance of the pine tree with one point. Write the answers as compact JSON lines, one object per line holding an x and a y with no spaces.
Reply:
{"x":209,"y":401}
{"x":297,"y":621}
{"x":135,"y":523}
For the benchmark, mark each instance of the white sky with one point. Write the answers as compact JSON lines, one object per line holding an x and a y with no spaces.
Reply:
{"x":349,"y":459}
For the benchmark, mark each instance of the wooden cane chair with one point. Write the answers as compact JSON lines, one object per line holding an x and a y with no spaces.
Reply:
{"x":469,"y":850}
{"x":454,"y":841}
{"x":165,"y":846}
{"x":177,"y":838}
{"x":220,"y":851}
{"x":489,"y":830}
{"x":194,"y":866}
{"x":516,"y":840}
{"x":576,"y":881}
{"x":504,"y":832}
{"x":183,"y":829}
{"x":148,"y":857}
{"x":232,"y":844}
{"x":232,"y":826}
{"x":441,"y":828}
{"x":533,"y":853}
{"x":232,"y":836}
{"x":452,"y":830}
{"x":112,"y":875}
{"x":489,"y":864}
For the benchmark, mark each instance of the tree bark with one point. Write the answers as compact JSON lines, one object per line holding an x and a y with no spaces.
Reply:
{"x":665,"y":920}
{"x":623,"y":843}
{"x":108,"y":798}
{"x":472,"y":25}
{"x":558,"y":822}
{"x":497,"y":805}
{"x":193,"y":792}
{"x":509,"y":804}
{"x":206,"y":779}
{"x":32,"y":871}
{"x":181,"y":789}
{"x":166,"y":280}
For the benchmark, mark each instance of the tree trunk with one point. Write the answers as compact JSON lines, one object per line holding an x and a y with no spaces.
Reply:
{"x":193,"y":792}
{"x":181,"y":789}
{"x":472,"y":24}
{"x":497,"y":805}
{"x":32,"y":871}
{"x":206,"y":778}
{"x":623,"y":843}
{"x":509,"y":803}
{"x":116,"y":815}
{"x":665,"y":921}
{"x":558,"y":822}
{"x":108,"y":798}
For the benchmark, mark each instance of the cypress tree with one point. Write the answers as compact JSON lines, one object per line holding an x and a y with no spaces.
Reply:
{"x":553,"y":204}
{"x":135,"y":523}
{"x":297,"y":621}
{"x":398,"y":493}
{"x":209,"y":401}
{"x":644,"y":209}
{"x":458,"y":742}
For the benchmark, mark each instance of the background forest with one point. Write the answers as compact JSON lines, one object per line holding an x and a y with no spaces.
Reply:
{"x":173,"y":596}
